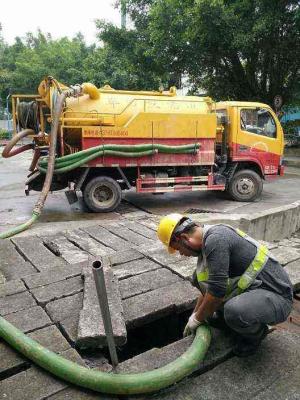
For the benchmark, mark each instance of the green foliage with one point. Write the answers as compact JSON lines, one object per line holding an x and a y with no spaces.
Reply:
{"x":4,"y":134}
{"x":29,"y":60}
{"x":231,"y":49}
{"x":234,"y":49}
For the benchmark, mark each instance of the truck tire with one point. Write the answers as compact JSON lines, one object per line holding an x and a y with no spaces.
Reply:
{"x":102,"y":194}
{"x":245,"y":185}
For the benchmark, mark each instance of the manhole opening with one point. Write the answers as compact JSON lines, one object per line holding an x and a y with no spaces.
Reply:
{"x":200,"y":211}
{"x":155,"y":334}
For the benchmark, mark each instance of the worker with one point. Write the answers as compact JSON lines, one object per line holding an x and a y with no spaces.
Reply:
{"x":243,"y":287}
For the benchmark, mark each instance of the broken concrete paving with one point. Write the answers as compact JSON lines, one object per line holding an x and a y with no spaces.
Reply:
{"x":53,"y":275}
{"x":107,"y":238}
{"x":286,"y":255}
{"x":91,"y":331}
{"x":158,"y":303}
{"x":63,"y":308}
{"x":65,"y":311}
{"x":16,"y":302}
{"x":34,"y":251}
{"x":35,"y":383}
{"x":61,"y":246}
{"x":50,"y":337}
{"x":135,"y":268}
{"x":146,"y":282}
{"x":57,"y":290}
{"x":11,"y":287}
{"x":29,"y":319}
{"x":82,"y":240}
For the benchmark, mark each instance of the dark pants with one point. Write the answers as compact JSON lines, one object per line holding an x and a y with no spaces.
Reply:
{"x":249,"y":312}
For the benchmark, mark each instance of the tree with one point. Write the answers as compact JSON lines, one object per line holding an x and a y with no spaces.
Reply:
{"x":126,"y":61}
{"x":234,"y":49}
{"x":29,"y":60}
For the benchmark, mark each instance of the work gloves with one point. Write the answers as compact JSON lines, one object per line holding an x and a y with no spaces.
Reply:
{"x":191,"y":326}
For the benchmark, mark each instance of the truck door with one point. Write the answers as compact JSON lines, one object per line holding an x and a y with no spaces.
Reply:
{"x":259,"y":138}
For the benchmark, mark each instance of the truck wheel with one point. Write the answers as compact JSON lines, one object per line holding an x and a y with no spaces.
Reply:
{"x":246,"y":185}
{"x":102,"y":194}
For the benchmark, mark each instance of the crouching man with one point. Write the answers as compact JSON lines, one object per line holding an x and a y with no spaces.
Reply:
{"x":242,"y":285}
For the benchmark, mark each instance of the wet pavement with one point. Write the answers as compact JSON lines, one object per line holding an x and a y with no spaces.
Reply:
{"x":16,"y":208}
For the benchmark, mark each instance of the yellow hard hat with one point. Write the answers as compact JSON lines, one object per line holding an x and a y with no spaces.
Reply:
{"x":166,"y":228}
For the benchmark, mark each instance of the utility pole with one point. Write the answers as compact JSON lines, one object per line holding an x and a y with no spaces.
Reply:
{"x":123,"y":14}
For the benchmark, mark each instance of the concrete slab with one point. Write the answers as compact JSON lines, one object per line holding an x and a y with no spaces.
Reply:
{"x":16,"y":302}
{"x":184,"y":268}
{"x":65,"y":307}
{"x":128,"y":234}
{"x":30,"y":319}
{"x":12,"y":287}
{"x":73,"y":393}
{"x":57,"y":290}
{"x":53,"y":275}
{"x":161,"y":256}
{"x":61,"y":246}
{"x":121,"y":257}
{"x":34,"y":383}
{"x":107,"y":238}
{"x":135,"y":268}
{"x":137,"y":227}
{"x":255,"y":377}
{"x":289,"y":243}
{"x":285,"y":387}
{"x":17,"y":270}
{"x":11,"y":361}
{"x":293,"y":269}
{"x":69,"y":326}
{"x":145,"y":282}
{"x":34,"y":251}
{"x":51,"y":338}
{"x":72,"y":355}
{"x":91,"y":332}
{"x":286,"y":255}
{"x":147,"y":307}
{"x":9,"y":255}
{"x":219,"y":350}
{"x":82,"y":240}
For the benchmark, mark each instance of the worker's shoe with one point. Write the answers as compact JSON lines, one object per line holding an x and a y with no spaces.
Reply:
{"x":246,"y":347}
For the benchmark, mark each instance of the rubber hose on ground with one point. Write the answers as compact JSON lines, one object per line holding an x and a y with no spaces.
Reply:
{"x":127,"y":384}
{"x":49,"y":173}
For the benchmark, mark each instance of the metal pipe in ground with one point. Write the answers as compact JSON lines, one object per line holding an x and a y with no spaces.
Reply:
{"x":104,"y":307}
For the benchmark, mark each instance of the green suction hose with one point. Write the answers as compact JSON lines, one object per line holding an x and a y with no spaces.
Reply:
{"x":59,"y":104}
{"x":20,"y":228}
{"x":71,"y":161}
{"x":104,"y":382}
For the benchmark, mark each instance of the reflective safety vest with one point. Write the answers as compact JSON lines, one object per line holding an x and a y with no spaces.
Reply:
{"x":238,"y":284}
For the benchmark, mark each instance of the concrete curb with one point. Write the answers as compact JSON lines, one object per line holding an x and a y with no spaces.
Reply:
{"x":290,"y":162}
{"x":275,"y":224}
{"x":271,"y":225}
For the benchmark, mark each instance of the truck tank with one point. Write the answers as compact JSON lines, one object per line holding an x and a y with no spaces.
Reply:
{"x":109,"y":116}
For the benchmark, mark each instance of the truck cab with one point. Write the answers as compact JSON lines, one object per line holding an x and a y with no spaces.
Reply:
{"x":254,"y":146}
